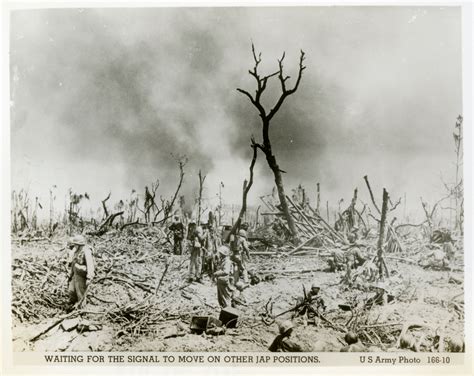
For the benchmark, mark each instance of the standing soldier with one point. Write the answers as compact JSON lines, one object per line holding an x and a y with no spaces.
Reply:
{"x":223,"y":277}
{"x":195,"y":265}
{"x":190,"y":235}
{"x":81,"y":272}
{"x":354,"y":257}
{"x":212,"y":245}
{"x":240,"y":256}
{"x":205,"y":250}
{"x":177,"y":228}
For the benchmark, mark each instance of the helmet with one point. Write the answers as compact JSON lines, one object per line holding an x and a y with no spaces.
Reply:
{"x":77,"y":240}
{"x":351,"y":338}
{"x":243,"y":233}
{"x":285,"y":326}
{"x":315,"y":286}
{"x":223,"y":250}
{"x":407,"y":341}
{"x":456,"y":345}
{"x":244,"y":226}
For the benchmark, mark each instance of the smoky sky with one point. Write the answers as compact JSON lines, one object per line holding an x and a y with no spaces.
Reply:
{"x":105,"y":99}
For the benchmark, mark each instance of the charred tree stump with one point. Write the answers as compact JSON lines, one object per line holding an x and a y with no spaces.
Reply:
{"x":246,"y":189}
{"x":318,"y":198}
{"x":380,"y":260}
{"x":106,"y":212}
{"x":201,"y":187}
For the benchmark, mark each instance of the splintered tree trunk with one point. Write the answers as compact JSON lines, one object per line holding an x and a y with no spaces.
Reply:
{"x":246,"y":189}
{"x":318,"y":198}
{"x":281,"y":192}
{"x":201,"y":186}
{"x":383,"y":218}
{"x":266,"y":117}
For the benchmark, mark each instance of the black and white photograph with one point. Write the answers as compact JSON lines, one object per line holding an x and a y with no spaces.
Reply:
{"x":269,"y":179}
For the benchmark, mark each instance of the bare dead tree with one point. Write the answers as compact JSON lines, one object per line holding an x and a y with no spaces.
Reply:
{"x":458,"y":186}
{"x":266,"y":118}
{"x":74,"y":207}
{"x":246,"y":189}
{"x":201,"y":187}
{"x":318,"y":198}
{"x":132,"y":204}
{"x":327,"y":210}
{"x":14,"y":212}
{"x":169,"y":207}
{"x":106,"y":212}
{"x":380,"y":259}
{"x":34,"y":217}
{"x":371,"y":194}
{"x":51,"y":209}
{"x":221,"y":185}
{"x":150,"y":199}
{"x":430,"y":214}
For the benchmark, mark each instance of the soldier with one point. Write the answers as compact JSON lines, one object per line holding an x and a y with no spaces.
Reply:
{"x":195,"y":265}
{"x":316,"y":299}
{"x":245,"y":226}
{"x":337,"y":261}
{"x":81,"y":271}
{"x":353,"y":256}
{"x":311,"y":305}
{"x":240,"y":256}
{"x":223,"y":276}
{"x":190,"y":231}
{"x":282,"y":342}
{"x":353,"y":344}
{"x":177,"y":228}
{"x":212,"y":245}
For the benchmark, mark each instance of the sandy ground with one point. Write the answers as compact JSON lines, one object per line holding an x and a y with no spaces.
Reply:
{"x":425,"y":297}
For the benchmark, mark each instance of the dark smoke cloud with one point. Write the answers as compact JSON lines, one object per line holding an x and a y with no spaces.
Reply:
{"x":103,"y":97}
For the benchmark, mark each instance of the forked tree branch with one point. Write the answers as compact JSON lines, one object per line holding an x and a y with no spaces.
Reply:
{"x":262,"y":84}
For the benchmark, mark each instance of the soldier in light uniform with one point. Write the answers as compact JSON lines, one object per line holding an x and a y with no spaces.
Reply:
{"x":195,"y":264}
{"x":81,"y":270}
{"x":223,"y":276}
{"x":240,"y":257}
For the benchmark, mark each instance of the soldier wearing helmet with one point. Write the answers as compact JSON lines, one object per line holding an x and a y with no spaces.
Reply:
{"x":81,"y":271}
{"x":311,"y":305}
{"x":353,"y":344}
{"x":223,"y":276}
{"x":282,"y":342}
{"x":240,"y":256}
{"x":177,"y":228}
{"x":197,"y":250}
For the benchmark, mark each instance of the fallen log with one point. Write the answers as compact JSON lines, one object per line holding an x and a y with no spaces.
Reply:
{"x":381,"y":325}
{"x":54,"y":324}
{"x":302,"y":245}
{"x":136,"y":223}
{"x":104,"y":227}
{"x":410,"y":261}
{"x":263,"y":253}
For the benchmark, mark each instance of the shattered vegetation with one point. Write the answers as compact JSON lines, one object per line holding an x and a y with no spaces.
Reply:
{"x":140,"y":298}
